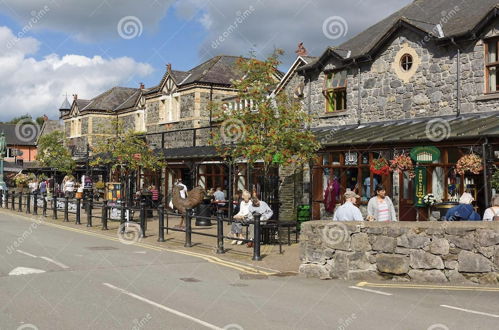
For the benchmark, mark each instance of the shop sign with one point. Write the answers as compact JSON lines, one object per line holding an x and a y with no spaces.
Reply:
{"x":351,"y":158}
{"x":419,"y":186}
{"x":427,"y":154}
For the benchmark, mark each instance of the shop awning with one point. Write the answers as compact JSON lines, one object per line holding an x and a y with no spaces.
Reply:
{"x":201,"y":152}
{"x":439,"y":129}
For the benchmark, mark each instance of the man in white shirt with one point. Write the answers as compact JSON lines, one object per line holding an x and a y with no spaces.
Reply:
{"x":348,"y":211}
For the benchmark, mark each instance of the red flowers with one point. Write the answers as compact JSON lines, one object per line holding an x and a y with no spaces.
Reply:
{"x":380,"y":166}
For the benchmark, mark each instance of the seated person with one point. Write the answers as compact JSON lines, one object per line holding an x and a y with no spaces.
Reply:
{"x":492,"y":212}
{"x":464,"y":211}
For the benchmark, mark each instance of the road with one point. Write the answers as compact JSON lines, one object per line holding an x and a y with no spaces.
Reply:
{"x":54,"y":278}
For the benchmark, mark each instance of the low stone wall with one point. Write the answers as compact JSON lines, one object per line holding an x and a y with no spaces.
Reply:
{"x":408,"y":251}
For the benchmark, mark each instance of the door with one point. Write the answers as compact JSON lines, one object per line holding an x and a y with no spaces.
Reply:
{"x":407,"y":210}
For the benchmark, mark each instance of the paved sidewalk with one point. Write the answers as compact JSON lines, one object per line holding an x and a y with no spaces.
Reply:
{"x":287,"y":262}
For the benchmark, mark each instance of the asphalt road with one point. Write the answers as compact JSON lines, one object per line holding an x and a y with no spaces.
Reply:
{"x":53,"y":278}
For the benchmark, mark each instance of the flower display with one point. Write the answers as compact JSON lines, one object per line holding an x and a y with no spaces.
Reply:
{"x":429,"y":200}
{"x":21,"y":179}
{"x":403,"y":163}
{"x":380,"y":166}
{"x":469,"y":163}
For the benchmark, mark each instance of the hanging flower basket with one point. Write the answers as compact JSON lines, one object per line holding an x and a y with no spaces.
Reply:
{"x":469,"y":163}
{"x":380,"y":166}
{"x":403,"y":163}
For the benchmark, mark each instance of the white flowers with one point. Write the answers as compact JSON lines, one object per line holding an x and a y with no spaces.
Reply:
{"x":429,"y":199}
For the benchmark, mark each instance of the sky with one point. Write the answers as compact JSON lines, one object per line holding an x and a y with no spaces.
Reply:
{"x":53,"y":48}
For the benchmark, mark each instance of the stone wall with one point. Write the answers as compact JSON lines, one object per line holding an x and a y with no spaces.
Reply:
{"x":407,"y":251}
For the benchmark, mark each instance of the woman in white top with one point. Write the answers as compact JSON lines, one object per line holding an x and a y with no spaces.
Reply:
{"x":380,"y":207}
{"x":493,"y":211}
{"x":244,"y":212}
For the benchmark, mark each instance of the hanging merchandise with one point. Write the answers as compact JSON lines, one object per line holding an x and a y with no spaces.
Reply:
{"x":331,"y":194}
{"x":380,"y":166}
{"x":469,"y":163}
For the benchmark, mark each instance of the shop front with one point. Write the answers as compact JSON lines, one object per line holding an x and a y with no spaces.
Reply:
{"x":419,"y":166}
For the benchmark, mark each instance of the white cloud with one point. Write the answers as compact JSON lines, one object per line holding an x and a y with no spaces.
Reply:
{"x":28,"y":85}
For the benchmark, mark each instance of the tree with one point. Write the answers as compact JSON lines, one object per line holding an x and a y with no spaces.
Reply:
{"x":53,"y":153}
{"x":269,"y":129}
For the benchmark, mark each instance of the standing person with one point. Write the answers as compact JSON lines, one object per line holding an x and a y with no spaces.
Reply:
{"x":348,"y":211}
{"x":380,"y":207}
{"x":241,"y":216}
{"x":69,"y":187}
{"x":492,"y":213}
{"x":43,"y":188}
{"x":262,"y":208}
{"x":155,"y":196}
{"x":219,"y":195}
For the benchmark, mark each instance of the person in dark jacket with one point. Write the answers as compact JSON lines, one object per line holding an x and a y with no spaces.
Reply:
{"x":464,"y":211}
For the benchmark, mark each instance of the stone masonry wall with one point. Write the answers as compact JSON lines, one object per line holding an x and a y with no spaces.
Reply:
{"x":466,"y":252}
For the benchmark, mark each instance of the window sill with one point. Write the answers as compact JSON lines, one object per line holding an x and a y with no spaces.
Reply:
{"x":334,"y":114}
{"x":164,"y":122}
{"x":487,"y":96}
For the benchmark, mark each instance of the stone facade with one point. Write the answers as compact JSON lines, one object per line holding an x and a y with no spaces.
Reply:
{"x":421,"y":252}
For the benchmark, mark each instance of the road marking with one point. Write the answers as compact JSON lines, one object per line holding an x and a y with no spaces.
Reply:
{"x":369,"y":290}
{"x":25,"y":271}
{"x":170,"y":310}
{"x":469,"y":311}
{"x":27,"y":254}
{"x":60,"y":264}
{"x":211,"y":259}
{"x":427,"y":287}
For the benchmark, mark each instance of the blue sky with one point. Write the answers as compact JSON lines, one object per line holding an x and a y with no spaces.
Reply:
{"x":52,"y":47}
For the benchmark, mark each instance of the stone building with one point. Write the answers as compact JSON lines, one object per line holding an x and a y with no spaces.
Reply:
{"x":426,"y":76}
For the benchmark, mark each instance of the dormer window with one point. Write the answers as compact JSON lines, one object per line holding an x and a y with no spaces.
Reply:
{"x":335,"y":91}
{"x":491,"y":66}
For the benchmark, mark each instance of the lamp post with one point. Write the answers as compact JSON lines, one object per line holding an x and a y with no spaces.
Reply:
{"x":2,"y":151}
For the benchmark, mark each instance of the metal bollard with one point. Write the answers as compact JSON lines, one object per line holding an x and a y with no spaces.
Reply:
{"x":1,"y":197}
{"x":66,"y":209}
{"x":220,"y":232}
{"x":90,"y":206}
{"x":161,"y":214}
{"x":143,"y":218}
{"x":28,"y":203}
{"x":78,"y":211}
{"x":20,"y":201}
{"x":104,"y":215}
{"x":54,"y":207}
{"x":13,"y":201}
{"x":256,"y":238}
{"x":44,"y":206}
{"x":6,"y":199}
{"x":122,"y":217}
{"x":35,"y":203}
{"x":188,"y":228}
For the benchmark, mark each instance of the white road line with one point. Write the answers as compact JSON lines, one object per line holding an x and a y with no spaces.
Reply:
{"x":26,"y":253}
{"x":170,"y":310}
{"x":469,"y":311}
{"x":60,"y":264}
{"x":369,"y":290}
{"x":25,"y":271}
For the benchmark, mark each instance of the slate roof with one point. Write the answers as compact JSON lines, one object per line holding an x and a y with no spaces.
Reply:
{"x":19,"y":137}
{"x":462,"y":18}
{"x":65,"y":105}
{"x":113,"y":99}
{"x":50,"y":126}
{"x":414,"y":130}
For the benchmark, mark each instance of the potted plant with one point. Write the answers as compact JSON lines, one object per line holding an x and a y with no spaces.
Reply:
{"x":380,"y":166}
{"x":429,"y":200}
{"x":21,"y":180}
{"x":469,"y":163}
{"x":403,"y":163}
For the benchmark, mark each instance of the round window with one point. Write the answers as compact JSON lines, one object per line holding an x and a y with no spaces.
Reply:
{"x":406,"y":62}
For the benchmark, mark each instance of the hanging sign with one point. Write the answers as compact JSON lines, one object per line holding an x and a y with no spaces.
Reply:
{"x":351,"y":158}
{"x":419,"y":186}
{"x":427,"y":154}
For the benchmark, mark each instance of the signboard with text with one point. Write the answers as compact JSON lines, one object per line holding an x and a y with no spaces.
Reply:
{"x":419,"y":186}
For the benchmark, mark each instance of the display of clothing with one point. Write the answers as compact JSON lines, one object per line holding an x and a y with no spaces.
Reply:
{"x":331,"y":194}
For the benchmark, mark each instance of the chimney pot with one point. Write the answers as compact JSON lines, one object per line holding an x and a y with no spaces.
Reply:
{"x":75,"y":97}
{"x":142,"y":86}
{"x":169,"y":67}
{"x":301,"y":51}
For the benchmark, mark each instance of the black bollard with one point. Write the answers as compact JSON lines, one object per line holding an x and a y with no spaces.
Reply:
{"x":104,"y":215}
{"x":78,"y":211}
{"x":220,"y":232}
{"x":54,"y":207}
{"x":44,"y":205}
{"x":89,"y":212}
{"x":20,"y":201}
{"x":35,"y":204}
{"x":6,"y":199}
{"x":13,"y":201}
{"x":161,"y":214}
{"x":143,"y":218}
{"x":1,"y":197}
{"x":66,"y":209}
{"x":28,"y":203}
{"x":188,"y":228}
{"x":256,"y":238}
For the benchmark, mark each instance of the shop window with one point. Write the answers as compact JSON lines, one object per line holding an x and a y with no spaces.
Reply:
{"x":335,"y":158}
{"x":335,"y":91}
{"x":492,"y":66}
{"x":437,"y":183}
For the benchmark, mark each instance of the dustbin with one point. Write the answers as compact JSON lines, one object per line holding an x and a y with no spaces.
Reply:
{"x":203,"y":214}
{"x":303,"y":214}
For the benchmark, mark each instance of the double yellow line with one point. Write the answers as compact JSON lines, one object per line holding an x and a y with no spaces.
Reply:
{"x":427,"y":287}
{"x":211,"y":259}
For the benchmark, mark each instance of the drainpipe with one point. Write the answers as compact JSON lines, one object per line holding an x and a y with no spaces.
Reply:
{"x":458,"y":79}
{"x":359,"y":110}
{"x":485,"y":172}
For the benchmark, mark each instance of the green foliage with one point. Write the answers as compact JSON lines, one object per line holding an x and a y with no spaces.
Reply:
{"x":272,"y":129}
{"x":26,"y":119}
{"x":126,"y":149}
{"x":494,"y":180}
{"x":53,"y":153}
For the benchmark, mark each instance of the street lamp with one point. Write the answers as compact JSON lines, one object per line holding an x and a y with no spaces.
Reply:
{"x":3,"y":145}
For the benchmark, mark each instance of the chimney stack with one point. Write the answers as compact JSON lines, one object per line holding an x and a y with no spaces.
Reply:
{"x":169,"y":68}
{"x":45,"y":118}
{"x":75,"y":97}
{"x":142,"y":86}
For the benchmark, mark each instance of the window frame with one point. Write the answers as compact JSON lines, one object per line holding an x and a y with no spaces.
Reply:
{"x":488,"y":65}
{"x":329,"y":89}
